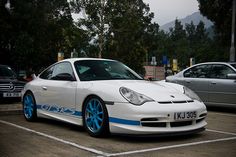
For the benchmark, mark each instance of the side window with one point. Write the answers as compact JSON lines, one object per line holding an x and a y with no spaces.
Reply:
{"x":200,"y":71}
{"x":219,"y":71}
{"x":63,"y":68}
{"x":47,"y":74}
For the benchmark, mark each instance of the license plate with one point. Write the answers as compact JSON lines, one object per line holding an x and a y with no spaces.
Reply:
{"x":11,"y":94}
{"x":185,"y":115}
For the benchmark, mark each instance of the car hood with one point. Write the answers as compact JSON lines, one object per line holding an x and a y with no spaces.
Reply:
{"x":14,"y":81}
{"x":158,"y":91}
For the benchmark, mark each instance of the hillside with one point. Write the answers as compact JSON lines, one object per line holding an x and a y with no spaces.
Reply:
{"x":195,"y":17}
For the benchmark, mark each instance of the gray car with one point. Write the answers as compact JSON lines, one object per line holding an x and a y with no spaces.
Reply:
{"x":213,"y":82}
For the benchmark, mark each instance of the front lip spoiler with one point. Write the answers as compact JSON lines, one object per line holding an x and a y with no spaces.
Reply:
{"x":171,"y":134}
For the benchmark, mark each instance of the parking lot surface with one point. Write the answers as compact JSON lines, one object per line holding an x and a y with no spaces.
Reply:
{"x":52,"y":138}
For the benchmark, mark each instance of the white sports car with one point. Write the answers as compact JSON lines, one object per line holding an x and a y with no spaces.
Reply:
{"x":105,"y":96}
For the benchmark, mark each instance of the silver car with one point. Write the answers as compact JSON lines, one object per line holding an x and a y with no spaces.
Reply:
{"x":213,"y":82}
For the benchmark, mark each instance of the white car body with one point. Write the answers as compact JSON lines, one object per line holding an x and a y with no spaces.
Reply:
{"x":64,"y":100}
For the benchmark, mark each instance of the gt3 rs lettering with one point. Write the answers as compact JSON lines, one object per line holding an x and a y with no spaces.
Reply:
{"x":58,"y":109}
{"x":73,"y":112}
{"x":44,"y":107}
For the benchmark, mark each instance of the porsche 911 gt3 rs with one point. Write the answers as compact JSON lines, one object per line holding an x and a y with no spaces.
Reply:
{"x":105,"y":96}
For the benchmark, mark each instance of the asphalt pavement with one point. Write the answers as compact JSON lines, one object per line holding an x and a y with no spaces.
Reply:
{"x":47,"y":138}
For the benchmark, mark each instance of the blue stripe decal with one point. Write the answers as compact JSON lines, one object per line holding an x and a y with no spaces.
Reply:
{"x":78,"y":113}
{"x":73,"y":112}
{"x":123,"y":121}
{"x":60,"y":110}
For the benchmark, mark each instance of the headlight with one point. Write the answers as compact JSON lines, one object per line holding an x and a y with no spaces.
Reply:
{"x":134,"y":97}
{"x":191,"y":94}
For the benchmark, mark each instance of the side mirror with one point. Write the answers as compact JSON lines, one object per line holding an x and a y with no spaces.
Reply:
{"x":187,"y":74}
{"x":33,"y":76}
{"x":64,"y":77}
{"x":231,"y":76}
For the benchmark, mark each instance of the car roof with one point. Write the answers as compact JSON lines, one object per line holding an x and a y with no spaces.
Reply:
{"x":204,"y":63}
{"x":226,"y":63}
{"x":78,"y":59}
{"x":217,"y":63}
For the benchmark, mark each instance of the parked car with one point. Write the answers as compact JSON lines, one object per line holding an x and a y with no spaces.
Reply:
{"x":213,"y":82}
{"x":10,"y":87}
{"x":106,"y":96}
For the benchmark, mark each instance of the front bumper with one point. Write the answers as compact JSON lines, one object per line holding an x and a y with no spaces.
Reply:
{"x":155,"y":118}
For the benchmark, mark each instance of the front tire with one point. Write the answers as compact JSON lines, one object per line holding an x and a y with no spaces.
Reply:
{"x":29,"y":107}
{"x":95,"y":117}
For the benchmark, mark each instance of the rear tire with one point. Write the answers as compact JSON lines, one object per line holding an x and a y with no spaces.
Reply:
{"x":95,"y":117}
{"x":29,"y":107}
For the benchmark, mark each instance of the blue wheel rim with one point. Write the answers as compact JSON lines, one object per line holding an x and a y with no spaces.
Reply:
{"x":94,"y":115}
{"x":28,"y":106}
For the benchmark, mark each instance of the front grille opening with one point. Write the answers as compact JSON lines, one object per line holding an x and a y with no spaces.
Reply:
{"x":199,"y":120}
{"x":190,"y":101}
{"x":179,"y":124}
{"x":176,"y":102}
{"x":8,"y":88}
{"x":179,"y":102}
{"x":149,"y":119}
{"x":203,"y":115}
{"x":157,"y":124}
{"x":165,"y":102}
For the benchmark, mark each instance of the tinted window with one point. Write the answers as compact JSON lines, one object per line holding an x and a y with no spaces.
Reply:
{"x":220,"y":71}
{"x":47,"y":74}
{"x":90,"y":70}
{"x":60,"y":68}
{"x":200,"y":71}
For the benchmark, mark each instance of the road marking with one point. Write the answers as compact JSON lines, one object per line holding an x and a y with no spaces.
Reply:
{"x":172,"y":146}
{"x":221,"y":132}
{"x":101,"y":153}
{"x":57,"y":139}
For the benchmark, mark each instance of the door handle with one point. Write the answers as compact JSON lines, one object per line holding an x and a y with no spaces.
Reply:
{"x":44,"y":88}
{"x":188,"y":81}
{"x":213,"y":82}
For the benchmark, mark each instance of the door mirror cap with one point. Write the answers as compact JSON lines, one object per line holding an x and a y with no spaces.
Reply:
{"x":64,"y":77}
{"x":231,"y":76}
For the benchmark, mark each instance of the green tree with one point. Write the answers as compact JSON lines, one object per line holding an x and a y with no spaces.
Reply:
{"x":129,"y":21}
{"x":178,"y":32}
{"x":33,"y":32}
{"x":117,"y":28}
{"x":201,"y":33}
{"x":95,"y":19}
{"x":190,"y":31}
{"x":220,"y":13}
{"x":179,"y":43}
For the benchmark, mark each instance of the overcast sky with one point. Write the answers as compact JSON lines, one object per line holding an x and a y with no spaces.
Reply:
{"x":168,"y":10}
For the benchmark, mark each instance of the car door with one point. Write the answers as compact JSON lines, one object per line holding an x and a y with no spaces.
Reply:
{"x":196,"y":78}
{"x":57,"y":94}
{"x":222,"y":90}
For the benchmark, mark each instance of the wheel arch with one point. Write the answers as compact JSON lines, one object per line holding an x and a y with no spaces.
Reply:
{"x":107,"y":128}
{"x":34,"y":108}
{"x":87,"y":98}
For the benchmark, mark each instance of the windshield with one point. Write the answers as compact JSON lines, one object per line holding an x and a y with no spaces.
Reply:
{"x":6,"y":72}
{"x":91,"y":70}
